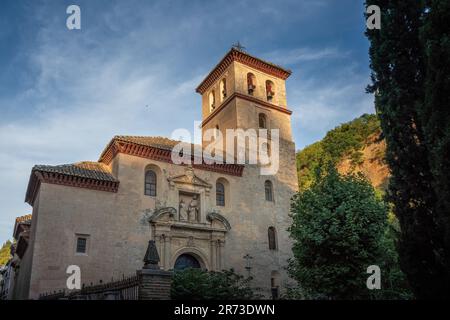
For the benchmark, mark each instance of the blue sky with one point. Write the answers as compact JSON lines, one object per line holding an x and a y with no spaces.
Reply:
{"x":133,"y":67}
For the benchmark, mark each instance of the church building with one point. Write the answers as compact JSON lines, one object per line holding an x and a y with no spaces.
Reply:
{"x":101,"y":215}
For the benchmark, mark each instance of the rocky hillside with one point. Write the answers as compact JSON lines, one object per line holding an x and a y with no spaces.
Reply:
{"x":352,"y":147}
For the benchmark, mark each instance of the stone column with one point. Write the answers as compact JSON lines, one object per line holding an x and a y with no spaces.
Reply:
{"x":213,"y":255}
{"x":166,"y":262}
{"x":219,"y":254}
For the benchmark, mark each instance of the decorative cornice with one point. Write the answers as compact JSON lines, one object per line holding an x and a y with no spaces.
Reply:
{"x":248,"y":98}
{"x":38,"y":177}
{"x":149,"y":152}
{"x":244,"y":58}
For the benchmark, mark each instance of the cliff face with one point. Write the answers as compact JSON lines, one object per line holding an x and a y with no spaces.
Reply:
{"x":352,"y":147}
{"x":371,"y":164}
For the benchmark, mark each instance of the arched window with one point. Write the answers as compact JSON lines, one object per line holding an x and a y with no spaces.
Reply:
{"x":262,"y":121}
{"x":270,"y":90}
{"x":251,"y":83}
{"x":220,"y":194}
{"x":223,"y":88}
{"x":272,"y":234}
{"x":268,"y":190}
{"x":212,"y":101}
{"x":150,"y":183}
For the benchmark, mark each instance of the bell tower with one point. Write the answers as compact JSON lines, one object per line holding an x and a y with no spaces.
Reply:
{"x":245,"y":92}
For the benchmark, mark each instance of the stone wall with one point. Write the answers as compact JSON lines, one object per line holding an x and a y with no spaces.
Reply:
{"x":118,"y":232}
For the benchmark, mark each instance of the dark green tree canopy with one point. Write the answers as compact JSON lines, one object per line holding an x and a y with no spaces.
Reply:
{"x":197,"y":284}
{"x":337,"y":228}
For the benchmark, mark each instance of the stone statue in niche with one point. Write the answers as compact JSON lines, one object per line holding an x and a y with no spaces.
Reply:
{"x":189,"y":207}
{"x":183,"y":211}
{"x":193,"y":209}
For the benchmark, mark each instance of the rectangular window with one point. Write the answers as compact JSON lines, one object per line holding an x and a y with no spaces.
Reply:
{"x":82,"y":242}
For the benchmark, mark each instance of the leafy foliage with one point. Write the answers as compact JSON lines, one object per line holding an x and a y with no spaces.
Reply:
{"x":197,"y":284}
{"x":394,"y":283}
{"x":5,"y":253}
{"x":338,"y":229}
{"x":344,"y":140}
{"x":410,"y":61}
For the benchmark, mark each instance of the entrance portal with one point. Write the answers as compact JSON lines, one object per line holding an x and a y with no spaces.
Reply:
{"x":185,"y":261}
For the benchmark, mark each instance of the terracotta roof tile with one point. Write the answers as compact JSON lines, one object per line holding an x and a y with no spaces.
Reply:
{"x":92,"y":170}
{"x":157,"y":142}
{"x":245,"y":58}
{"x":24,"y":219}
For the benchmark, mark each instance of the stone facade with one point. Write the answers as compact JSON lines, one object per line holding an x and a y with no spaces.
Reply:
{"x":117,"y":219}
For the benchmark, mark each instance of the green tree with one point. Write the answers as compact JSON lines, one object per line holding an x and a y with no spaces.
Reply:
{"x":197,"y":284}
{"x":5,"y":253}
{"x":338,"y":225}
{"x":410,"y":67}
{"x":394,"y":282}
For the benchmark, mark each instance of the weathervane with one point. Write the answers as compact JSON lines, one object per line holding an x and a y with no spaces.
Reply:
{"x":238,"y":46}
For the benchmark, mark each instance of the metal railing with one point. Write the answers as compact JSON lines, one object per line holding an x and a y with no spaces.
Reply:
{"x":124,"y":289}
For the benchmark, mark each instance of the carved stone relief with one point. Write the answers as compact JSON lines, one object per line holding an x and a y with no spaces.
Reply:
{"x":189,"y":207}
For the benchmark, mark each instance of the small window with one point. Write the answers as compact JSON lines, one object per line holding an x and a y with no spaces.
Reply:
{"x":275,"y":284}
{"x":220,"y":194}
{"x":212,"y":101}
{"x":262,"y":121}
{"x":270,"y":90}
{"x":81,"y":244}
{"x":223,"y":88}
{"x":272,"y":238}
{"x":150,"y":183}
{"x":251,"y":83}
{"x":268,"y":190}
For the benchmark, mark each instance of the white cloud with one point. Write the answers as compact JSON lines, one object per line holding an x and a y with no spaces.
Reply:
{"x":120,"y":75}
{"x":293,"y":56}
{"x":82,"y":96}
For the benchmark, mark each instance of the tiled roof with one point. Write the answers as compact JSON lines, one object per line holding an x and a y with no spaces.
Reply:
{"x":92,"y":170}
{"x":24,"y":219}
{"x":161,"y":149}
{"x":245,"y":58}
{"x":90,"y":175}
{"x":157,"y":142}
{"x":22,"y":224}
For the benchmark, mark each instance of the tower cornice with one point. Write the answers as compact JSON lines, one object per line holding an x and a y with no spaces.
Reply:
{"x":248,"y":98}
{"x":244,"y":58}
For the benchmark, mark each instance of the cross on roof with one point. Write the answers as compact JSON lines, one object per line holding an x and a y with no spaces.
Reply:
{"x":238,"y":46}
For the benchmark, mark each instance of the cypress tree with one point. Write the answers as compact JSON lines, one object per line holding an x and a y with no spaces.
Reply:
{"x":435,"y":117}
{"x":400,"y":80}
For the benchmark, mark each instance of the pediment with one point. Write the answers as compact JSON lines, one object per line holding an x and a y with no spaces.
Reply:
{"x":168,"y":213}
{"x":189,"y":178}
{"x":216,"y":216}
